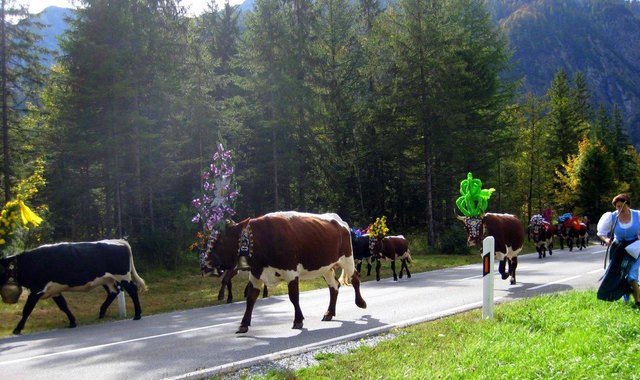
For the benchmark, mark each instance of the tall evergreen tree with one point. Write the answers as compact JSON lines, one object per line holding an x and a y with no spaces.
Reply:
{"x":22,"y":76}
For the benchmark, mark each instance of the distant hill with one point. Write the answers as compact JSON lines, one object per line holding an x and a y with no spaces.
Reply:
{"x":600,"y":38}
{"x":55,"y":24}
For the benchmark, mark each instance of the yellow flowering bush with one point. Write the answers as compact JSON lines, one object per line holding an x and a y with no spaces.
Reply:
{"x":15,"y":216}
{"x":379,"y":228}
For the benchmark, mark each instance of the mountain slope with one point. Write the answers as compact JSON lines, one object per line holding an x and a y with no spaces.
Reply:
{"x":599,"y":38}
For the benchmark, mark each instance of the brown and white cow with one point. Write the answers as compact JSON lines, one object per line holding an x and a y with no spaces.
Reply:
{"x":290,"y":246}
{"x":508,"y":232}
{"x":391,"y":248}
{"x":49,"y":270}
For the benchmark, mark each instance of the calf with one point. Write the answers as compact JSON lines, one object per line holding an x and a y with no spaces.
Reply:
{"x":391,"y":248}
{"x":508,"y":232}
{"x":289,"y":246}
{"x":49,"y":270}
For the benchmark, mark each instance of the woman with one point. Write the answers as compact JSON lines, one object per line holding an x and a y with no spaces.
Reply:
{"x":618,"y":229}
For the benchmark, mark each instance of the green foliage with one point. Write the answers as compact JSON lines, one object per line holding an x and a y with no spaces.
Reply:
{"x":588,"y":339}
{"x":453,"y":240}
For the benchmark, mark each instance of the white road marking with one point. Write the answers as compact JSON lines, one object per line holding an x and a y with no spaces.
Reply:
{"x":298,"y":350}
{"x":112,"y":344}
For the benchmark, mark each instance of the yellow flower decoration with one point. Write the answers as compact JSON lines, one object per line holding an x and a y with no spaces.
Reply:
{"x":379,"y":227}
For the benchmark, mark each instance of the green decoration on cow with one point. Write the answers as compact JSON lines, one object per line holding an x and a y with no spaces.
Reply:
{"x":473,"y":200}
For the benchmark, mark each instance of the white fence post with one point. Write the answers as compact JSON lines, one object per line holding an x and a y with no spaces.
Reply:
{"x":122,"y":306}
{"x":488,"y":251}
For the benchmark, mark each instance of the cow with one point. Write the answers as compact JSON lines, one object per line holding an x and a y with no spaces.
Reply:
{"x":508,"y":232}
{"x":541,"y":233}
{"x":561,"y":234}
{"x":290,"y":246}
{"x":576,"y":232}
{"x":361,"y":251}
{"x":49,"y":270}
{"x":391,"y":248}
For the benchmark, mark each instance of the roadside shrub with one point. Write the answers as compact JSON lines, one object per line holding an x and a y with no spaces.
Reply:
{"x":454,"y":241}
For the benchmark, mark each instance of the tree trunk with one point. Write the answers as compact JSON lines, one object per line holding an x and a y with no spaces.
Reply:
{"x":6,"y":159}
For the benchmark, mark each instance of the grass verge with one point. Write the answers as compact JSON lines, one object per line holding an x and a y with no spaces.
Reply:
{"x":560,"y":336}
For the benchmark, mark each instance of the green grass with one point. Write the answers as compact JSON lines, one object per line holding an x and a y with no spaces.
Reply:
{"x":180,"y":290}
{"x":560,"y":336}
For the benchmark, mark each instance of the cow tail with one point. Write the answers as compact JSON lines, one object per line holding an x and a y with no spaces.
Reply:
{"x":409,"y":259}
{"x":134,"y":274}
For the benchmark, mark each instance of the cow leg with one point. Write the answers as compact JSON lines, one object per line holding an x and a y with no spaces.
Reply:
{"x":355,"y":282}
{"x":501,"y":269}
{"x":570,"y":244}
{"x":358,"y":265}
{"x":539,"y":249}
{"x":550,"y":245}
{"x":406,"y":267}
{"x":226,"y":282}
{"x":393,"y":269}
{"x":265,"y":291}
{"x":513,"y":264}
{"x":368,"y":266}
{"x":334,"y":285}
{"x":252,"y":296}
{"x":378,"y":269}
{"x":26,"y":311}
{"x":107,"y":302}
{"x":62,"y":305}
{"x":132,"y":290}
{"x":294,"y":297}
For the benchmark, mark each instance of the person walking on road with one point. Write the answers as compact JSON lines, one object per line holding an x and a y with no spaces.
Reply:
{"x":620,"y":229}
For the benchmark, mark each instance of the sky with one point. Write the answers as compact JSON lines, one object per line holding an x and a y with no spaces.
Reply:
{"x":195,"y":6}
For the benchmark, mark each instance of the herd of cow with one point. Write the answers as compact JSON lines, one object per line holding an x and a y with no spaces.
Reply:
{"x":280,"y":246}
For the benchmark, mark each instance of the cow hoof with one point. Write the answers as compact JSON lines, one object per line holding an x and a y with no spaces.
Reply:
{"x":101,"y":316}
{"x":137,"y":317}
{"x":513,"y":281}
{"x":395,"y":279}
{"x":242,"y":329}
{"x":408,"y":276}
{"x":505,"y":276}
{"x":361,"y":304}
{"x":16,"y":332}
{"x":72,"y":325}
{"x":326,"y":318}
{"x":297,"y":326}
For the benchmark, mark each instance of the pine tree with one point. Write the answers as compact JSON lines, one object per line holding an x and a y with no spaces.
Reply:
{"x":22,"y":78}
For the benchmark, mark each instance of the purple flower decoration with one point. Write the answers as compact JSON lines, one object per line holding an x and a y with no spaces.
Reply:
{"x":219,"y":192}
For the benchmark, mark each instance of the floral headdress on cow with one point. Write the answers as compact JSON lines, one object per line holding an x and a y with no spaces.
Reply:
{"x":216,"y":205}
{"x":379,"y":228}
{"x":473,"y":200}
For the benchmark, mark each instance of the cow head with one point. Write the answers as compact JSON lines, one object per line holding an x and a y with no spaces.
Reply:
{"x":223,"y":247}
{"x":473,"y":226}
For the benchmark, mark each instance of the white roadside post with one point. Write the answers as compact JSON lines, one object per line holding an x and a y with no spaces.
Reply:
{"x":122,"y":306}
{"x":488,"y":251}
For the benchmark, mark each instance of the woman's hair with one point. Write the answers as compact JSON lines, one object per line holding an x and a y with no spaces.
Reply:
{"x":624,"y":198}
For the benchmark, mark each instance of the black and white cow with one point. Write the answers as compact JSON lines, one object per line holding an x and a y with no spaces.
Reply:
{"x":361,"y":252}
{"x":49,"y":270}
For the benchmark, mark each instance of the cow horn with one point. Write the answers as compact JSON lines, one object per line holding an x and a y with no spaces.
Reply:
{"x":462,"y":218}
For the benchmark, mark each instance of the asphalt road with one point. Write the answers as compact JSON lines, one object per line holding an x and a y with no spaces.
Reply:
{"x":201,"y":342}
